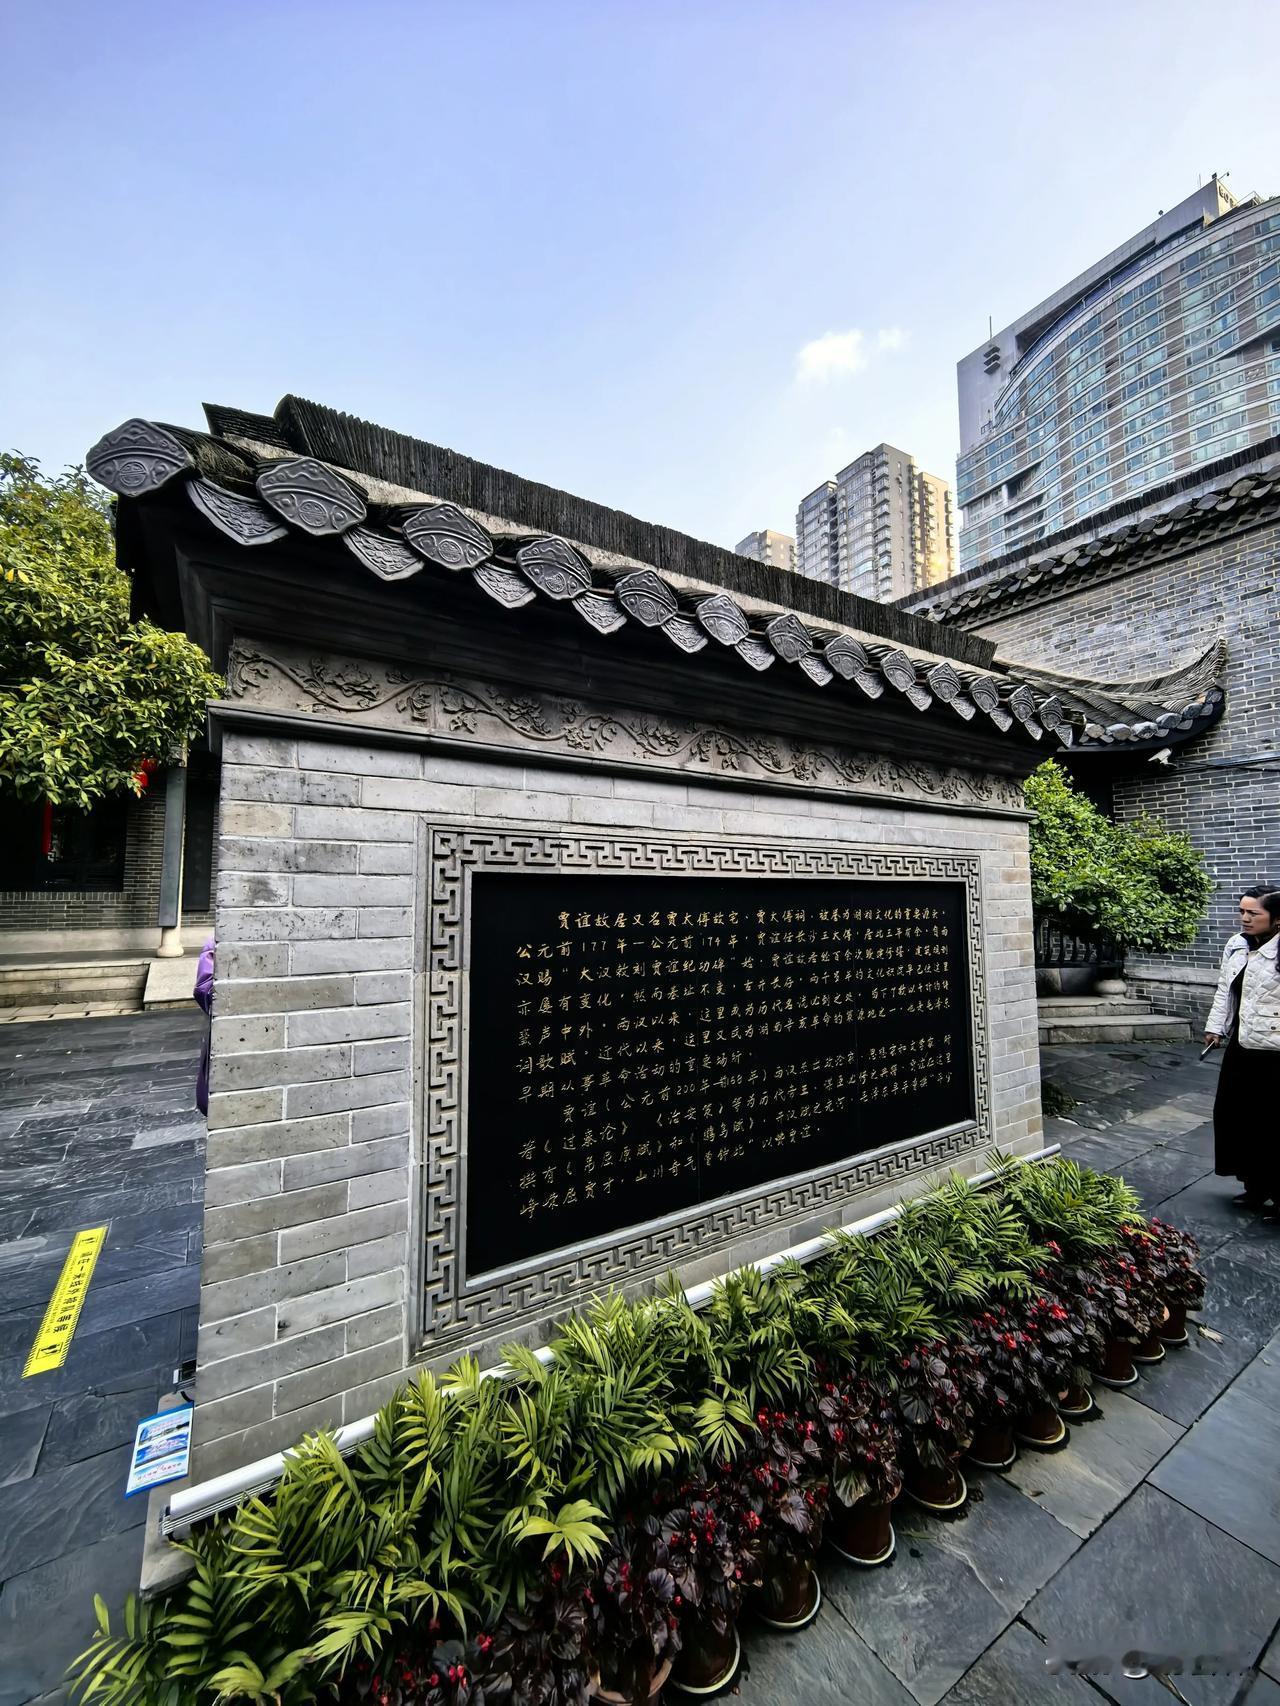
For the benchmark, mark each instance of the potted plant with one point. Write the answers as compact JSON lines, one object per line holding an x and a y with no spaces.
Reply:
{"x":546,"y":1645}
{"x":1173,"y":1255}
{"x":780,"y":1474}
{"x":1130,"y":1313}
{"x":936,"y":1388}
{"x":1045,"y":1342}
{"x":450,"y":1673}
{"x":712,"y":1550}
{"x":1078,"y":1331}
{"x":994,"y":1336}
{"x":635,"y":1602}
{"x":862,"y":1439}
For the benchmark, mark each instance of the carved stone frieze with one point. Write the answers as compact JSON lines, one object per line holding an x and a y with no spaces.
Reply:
{"x":455,"y":711}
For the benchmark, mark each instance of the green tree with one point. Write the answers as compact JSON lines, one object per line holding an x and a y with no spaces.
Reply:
{"x":86,"y":695}
{"x":1139,"y":883}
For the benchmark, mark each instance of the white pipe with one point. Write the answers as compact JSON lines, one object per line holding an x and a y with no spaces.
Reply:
{"x":206,"y":1498}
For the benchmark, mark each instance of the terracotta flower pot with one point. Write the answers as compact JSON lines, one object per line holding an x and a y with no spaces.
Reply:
{"x":862,"y":1533}
{"x":937,"y":1489}
{"x":993,"y":1446}
{"x":1174,"y":1331}
{"x":1151,"y":1349}
{"x":610,"y":1696}
{"x":706,"y":1660}
{"x":1041,"y":1426}
{"x":1075,"y":1402}
{"x":1117,"y":1363}
{"x":790,"y":1594}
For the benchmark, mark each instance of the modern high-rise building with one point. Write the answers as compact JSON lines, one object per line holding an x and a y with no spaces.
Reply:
{"x":816,"y":534}
{"x":779,"y":549}
{"x":936,"y":513}
{"x":1161,"y":357}
{"x":882,"y":528}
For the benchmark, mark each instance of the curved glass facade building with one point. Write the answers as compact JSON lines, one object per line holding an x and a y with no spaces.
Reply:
{"x":1163,"y":356}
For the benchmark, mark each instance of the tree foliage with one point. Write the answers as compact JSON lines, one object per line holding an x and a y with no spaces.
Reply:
{"x":1140,"y":884}
{"x":86,"y":695}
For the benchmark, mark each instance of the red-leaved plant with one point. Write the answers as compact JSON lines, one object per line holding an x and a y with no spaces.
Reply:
{"x":453,"y":1673}
{"x":861,"y":1439}
{"x":636,"y":1603}
{"x":1130,"y":1286}
{"x":782,"y":1478}
{"x":1012,"y":1362}
{"x":1171,"y":1255}
{"x":546,"y":1647}
{"x":706,"y":1559}
{"x":938,"y":1390}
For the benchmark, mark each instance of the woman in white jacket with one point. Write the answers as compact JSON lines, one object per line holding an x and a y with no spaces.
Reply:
{"x":1246,"y":1013}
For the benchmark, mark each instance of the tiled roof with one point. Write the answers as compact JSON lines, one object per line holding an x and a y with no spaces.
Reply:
{"x":1244,"y":492}
{"x":245,"y":481}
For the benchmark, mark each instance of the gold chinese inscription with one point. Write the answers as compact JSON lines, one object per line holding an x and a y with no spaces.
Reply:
{"x":642,"y":1044}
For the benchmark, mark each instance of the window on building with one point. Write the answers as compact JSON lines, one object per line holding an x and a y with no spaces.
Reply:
{"x":48,"y":847}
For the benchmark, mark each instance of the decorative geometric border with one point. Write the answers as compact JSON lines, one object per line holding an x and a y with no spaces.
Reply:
{"x":452,"y":1309}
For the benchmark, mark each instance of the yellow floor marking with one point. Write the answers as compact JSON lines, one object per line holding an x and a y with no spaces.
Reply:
{"x":53,"y":1341}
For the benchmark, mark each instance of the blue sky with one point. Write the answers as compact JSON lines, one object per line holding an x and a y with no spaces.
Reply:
{"x":588,"y":242}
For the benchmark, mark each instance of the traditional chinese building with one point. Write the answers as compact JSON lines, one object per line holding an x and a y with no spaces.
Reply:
{"x":591,"y":902}
{"x":1177,"y":585}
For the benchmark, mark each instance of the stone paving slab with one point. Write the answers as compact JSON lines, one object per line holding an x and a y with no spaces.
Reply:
{"x":824,"y":1665}
{"x":1014,"y":1669}
{"x":1159,"y":1172}
{"x":1270,"y":1664}
{"x":1228,"y":1471}
{"x":22,"y":1436}
{"x":1160,"y":1578}
{"x":1205,"y":1210}
{"x":1105,"y":1460}
{"x":42,"y":1612}
{"x":65,"y":1010}
{"x":1227,"y":1467}
{"x":1242,"y":1306}
{"x":953,"y":1587}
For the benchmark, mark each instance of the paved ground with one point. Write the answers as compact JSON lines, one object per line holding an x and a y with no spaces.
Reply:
{"x":97,"y":1125}
{"x":1158,"y":1527}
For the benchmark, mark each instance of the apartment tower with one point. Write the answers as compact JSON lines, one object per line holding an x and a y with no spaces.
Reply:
{"x":882,"y":528}
{"x":777,"y":549}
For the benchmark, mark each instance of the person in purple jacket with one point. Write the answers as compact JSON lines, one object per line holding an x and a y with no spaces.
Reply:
{"x":204,"y":995}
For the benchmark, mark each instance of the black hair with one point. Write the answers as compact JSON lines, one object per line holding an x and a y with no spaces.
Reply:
{"x":1269,"y":900}
{"x":1258,"y":890}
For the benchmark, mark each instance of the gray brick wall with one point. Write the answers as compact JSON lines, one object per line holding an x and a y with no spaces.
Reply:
{"x":1142,"y":623}
{"x":314,"y":1144}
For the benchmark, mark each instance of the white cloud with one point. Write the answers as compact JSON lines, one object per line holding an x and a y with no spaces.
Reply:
{"x":832,"y":356}
{"x":840,"y":355}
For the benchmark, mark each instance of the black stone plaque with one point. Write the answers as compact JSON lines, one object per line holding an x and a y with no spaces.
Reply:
{"x":641,"y":1045}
